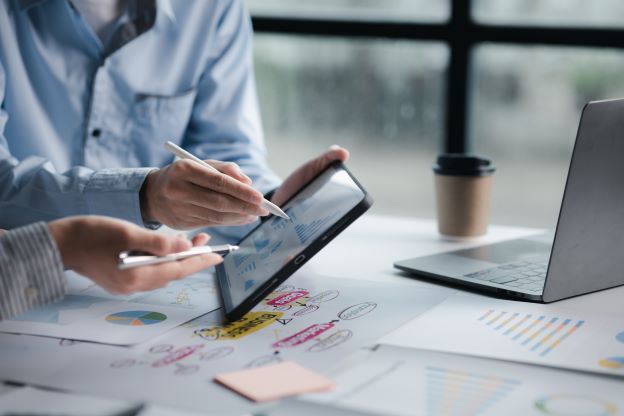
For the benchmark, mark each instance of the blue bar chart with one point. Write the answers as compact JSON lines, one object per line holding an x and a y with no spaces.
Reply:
{"x":538,"y":333}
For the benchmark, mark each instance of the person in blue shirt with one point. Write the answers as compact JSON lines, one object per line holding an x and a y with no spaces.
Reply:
{"x":91,"y":90}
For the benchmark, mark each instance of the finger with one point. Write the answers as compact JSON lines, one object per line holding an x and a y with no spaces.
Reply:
{"x":224,"y":184}
{"x":189,"y":216}
{"x":211,"y":217}
{"x":308,"y":171}
{"x":158,"y":244}
{"x":200,"y":239}
{"x":338,"y":153}
{"x":159,"y":275}
{"x":223,"y":202}
{"x":195,"y":264}
{"x":230,"y":169}
{"x":331,"y":155}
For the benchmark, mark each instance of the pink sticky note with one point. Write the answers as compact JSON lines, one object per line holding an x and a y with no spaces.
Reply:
{"x":274,"y":381}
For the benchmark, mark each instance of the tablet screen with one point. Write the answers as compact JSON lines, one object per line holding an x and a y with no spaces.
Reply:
{"x":277,"y":241}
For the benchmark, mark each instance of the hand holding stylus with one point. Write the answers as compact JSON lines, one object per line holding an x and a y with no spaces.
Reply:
{"x":187,"y":194}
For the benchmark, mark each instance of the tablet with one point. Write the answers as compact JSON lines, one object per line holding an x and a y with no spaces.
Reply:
{"x":275,"y":249}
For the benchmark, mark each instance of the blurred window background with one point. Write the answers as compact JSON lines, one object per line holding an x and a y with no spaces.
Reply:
{"x":381,"y":91}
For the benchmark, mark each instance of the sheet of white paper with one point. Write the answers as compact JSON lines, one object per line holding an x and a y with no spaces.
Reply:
{"x":400,"y":382}
{"x":31,"y":401}
{"x":89,"y":313}
{"x":518,"y":331}
{"x":314,"y":321}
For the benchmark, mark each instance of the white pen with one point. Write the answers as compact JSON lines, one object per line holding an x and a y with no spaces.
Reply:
{"x":183,"y":154}
{"x":130,"y":258}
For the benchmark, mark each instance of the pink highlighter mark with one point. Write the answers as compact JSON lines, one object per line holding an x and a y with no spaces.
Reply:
{"x":305,"y":335}
{"x":177,"y":355}
{"x":286,"y":298}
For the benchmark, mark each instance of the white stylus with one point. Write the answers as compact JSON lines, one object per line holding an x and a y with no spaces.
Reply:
{"x":183,"y":154}
{"x":130,"y":258}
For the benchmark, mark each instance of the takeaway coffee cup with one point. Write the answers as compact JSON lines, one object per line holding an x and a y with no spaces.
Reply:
{"x":463,"y":184}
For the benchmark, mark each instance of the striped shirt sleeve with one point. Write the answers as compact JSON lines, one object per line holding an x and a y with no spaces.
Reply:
{"x":31,"y":270}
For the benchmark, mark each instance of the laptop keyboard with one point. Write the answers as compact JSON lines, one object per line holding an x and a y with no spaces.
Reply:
{"x":529,"y":276}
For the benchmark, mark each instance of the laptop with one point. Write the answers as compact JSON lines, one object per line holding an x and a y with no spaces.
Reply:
{"x":586,"y":253}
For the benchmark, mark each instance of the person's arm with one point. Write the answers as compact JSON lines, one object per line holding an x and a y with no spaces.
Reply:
{"x":225,"y":124}
{"x":90,"y":245}
{"x":224,"y":130}
{"x":31,"y":271}
{"x":32,"y":259}
{"x":32,"y":189}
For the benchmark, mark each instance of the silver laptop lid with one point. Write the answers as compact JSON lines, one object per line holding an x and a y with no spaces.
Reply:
{"x":588,"y":250}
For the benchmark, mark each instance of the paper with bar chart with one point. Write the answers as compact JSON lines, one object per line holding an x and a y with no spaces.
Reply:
{"x":90,"y":313}
{"x":397,"y":381}
{"x":521,"y":331}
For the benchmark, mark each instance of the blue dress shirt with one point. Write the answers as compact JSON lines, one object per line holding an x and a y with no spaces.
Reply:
{"x":81,"y":123}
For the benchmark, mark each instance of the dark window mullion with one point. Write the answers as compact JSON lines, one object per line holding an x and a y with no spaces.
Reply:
{"x":460,"y":45}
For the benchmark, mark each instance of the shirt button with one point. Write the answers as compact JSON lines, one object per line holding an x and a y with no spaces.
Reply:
{"x":31,"y":292}
{"x":96,"y":133}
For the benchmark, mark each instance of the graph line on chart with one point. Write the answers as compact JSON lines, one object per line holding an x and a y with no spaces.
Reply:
{"x":240,"y":259}
{"x":271,"y":250}
{"x":454,"y":392}
{"x":540,"y":334}
{"x":279,"y":223}
{"x":260,"y":243}
{"x":306,"y":231}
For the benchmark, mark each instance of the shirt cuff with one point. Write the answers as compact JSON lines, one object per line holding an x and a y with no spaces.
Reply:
{"x":115,"y":193}
{"x":32,"y":274}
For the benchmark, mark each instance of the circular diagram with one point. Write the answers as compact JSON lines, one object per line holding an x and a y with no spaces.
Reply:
{"x":613,"y":363}
{"x":136,"y":318}
{"x":620,"y":336}
{"x":572,"y":405}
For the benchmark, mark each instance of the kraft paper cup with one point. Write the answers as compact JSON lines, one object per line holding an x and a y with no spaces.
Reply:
{"x":463,"y":185}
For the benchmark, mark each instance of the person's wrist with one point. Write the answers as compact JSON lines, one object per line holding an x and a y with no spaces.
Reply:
{"x":145,"y":198}
{"x":63,"y":232}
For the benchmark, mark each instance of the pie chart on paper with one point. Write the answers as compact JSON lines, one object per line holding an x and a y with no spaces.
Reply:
{"x":136,"y":318}
{"x":614,"y":363}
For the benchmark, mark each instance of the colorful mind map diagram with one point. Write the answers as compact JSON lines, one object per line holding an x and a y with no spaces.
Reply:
{"x":270,"y":324}
{"x":539,"y":333}
{"x":284,"y":306}
{"x":169,"y":357}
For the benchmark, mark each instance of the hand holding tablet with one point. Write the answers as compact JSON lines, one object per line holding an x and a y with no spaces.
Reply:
{"x":274,"y":250}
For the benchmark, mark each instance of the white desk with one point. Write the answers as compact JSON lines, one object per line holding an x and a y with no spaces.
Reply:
{"x":368,"y":248}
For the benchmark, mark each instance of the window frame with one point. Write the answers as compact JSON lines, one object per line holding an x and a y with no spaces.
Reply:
{"x":460,"y":33}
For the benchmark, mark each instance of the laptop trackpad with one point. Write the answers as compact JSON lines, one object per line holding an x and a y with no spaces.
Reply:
{"x":444,"y":264}
{"x":507,"y":251}
{"x":461,"y":262}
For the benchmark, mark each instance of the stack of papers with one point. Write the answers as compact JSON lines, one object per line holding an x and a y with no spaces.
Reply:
{"x":391,"y":349}
{"x":314,"y":322}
